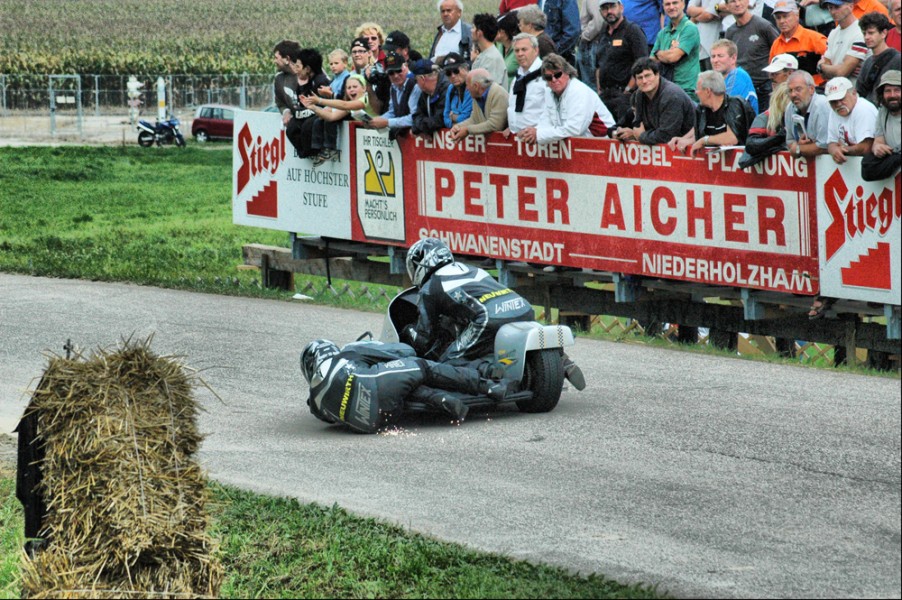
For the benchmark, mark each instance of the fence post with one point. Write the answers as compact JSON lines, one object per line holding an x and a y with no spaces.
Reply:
{"x":96,"y":95}
{"x":242,"y":102}
{"x":3,"y":110}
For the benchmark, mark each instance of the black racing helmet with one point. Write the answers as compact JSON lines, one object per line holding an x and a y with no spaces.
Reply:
{"x":425,"y":257}
{"x":314,"y":354}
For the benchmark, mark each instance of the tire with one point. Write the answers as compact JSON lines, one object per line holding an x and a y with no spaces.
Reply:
{"x":145,"y":139}
{"x":179,"y":140}
{"x":201,"y":137}
{"x":544,"y":376}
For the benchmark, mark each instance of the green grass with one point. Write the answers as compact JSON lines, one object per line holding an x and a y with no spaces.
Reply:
{"x":157,"y":217}
{"x":11,"y":537}
{"x":278,"y":548}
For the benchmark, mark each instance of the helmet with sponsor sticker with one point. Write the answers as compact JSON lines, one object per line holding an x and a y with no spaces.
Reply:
{"x":425,"y":257}
{"x":314,"y":354}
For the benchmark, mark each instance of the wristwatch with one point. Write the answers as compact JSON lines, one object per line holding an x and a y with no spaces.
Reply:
{"x":707,"y":137}
{"x":798,"y":151}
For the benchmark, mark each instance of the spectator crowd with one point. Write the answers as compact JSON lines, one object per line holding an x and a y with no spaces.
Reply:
{"x":809,"y":76}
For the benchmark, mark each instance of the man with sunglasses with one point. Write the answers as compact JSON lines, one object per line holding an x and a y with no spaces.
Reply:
{"x":403,"y":98}
{"x":459,"y":103}
{"x":572,"y":109}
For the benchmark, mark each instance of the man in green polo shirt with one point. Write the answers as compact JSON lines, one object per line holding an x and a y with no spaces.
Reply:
{"x":677,"y":48}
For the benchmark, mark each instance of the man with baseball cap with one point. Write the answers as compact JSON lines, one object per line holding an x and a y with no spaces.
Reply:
{"x":399,"y":43}
{"x":620,"y":43}
{"x":884,"y":159}
{"x":459,"y":102}
{"x":429,"y":116}
{"x":853,"y":122}
{"x":805,"y":45}
{"x":845,"y":44}
{"x":403,"y":97}
{"x":781,"y":67}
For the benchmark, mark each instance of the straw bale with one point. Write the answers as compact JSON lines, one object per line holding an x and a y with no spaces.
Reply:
{"x":125,"y":498}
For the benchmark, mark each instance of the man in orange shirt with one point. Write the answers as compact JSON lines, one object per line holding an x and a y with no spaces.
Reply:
{"x":862,"y":7}
{"x":805,"y":44}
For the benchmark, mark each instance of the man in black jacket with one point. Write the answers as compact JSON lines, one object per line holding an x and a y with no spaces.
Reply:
{"x":720,"y":120}
{"x":661,"y":110}
{"x":364,"y":384}
{"x":430,"y":114}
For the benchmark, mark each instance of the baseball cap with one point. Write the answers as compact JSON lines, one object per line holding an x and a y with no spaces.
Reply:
{"x":423,"y":66}
{"x":780,"y":62}
{"x":453,"y":59}
{"x":393,"y":62}
{"x":603,"y":2}
{"x":890,"y":78}
{"x":837,"y":87}
{"x":395,"y":40}
{"x":823,"y":3}
{"x":785,"y":6}
{"x":360,"y":43}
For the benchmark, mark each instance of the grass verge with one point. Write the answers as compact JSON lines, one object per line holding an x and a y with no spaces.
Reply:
{"x":278,"y":548}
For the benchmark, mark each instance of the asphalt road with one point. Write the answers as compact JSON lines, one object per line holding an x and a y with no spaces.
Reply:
{"x":709,"y":476}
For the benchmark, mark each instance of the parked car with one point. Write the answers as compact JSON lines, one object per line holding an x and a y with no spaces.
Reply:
{"x":213,"y":121}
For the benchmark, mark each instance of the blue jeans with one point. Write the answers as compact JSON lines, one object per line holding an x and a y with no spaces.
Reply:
{"x":585,"y":60}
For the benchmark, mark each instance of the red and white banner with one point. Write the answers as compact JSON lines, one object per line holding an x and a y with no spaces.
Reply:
{"x":275,"y":189}
{"x":860,"y":234}
{"x":593,"y":203}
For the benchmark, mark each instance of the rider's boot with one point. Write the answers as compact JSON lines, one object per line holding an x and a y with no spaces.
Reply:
{"x":495,"y":390}
{"x":574,"y":374}
{"x":454,"y":407}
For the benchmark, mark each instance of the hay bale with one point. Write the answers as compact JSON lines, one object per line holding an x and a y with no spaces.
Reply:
{"x":125,"y":498}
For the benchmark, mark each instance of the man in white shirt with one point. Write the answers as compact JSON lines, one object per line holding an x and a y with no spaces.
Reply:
{"x":853,"y":122}
{"x":845,"y":44}
{"x":527,"y":92}
{"x":572,"y":109}
{"x":453,"y":35}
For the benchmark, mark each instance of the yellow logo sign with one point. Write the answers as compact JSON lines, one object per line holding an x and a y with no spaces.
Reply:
{"x":376,"y":180}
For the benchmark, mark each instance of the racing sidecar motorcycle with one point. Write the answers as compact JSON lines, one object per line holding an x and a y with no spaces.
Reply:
{"x":528,"y":353}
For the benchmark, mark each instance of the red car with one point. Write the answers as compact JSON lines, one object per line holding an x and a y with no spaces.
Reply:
{"x":213,"y":121}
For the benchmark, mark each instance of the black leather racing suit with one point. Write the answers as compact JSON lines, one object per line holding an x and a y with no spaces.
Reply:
{"x":469,"y":304}
{"x":366,"y":381}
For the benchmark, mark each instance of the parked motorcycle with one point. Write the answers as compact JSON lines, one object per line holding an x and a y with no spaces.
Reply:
{"x":529,"y":353}
{"x":159,"y":133}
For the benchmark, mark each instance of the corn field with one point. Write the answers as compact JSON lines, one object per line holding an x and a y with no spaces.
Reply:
{"x":113,"y":37}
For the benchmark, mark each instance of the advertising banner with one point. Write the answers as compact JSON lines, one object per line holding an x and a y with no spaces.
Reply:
{"x":275,"y":189}
{"x":609,"y":206}
{"x":860,"y":237}
{"x":785,"y":225}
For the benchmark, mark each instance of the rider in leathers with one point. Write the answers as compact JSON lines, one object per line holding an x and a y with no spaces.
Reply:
{"x":471,"y":302}
{"x":467,"y":303}
{"x":365,"y":383}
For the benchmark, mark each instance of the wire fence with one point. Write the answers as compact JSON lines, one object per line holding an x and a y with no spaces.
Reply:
{"x":104,"y":95}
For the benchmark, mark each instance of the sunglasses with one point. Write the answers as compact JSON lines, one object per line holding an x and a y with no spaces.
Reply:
{"x":549,"y":77}
{"x":372,"y":38}
{"x":453,"y":71}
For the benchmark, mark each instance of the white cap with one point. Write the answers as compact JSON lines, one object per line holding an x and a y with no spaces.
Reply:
{"x":780,"y":62}
{"x":837,"y":87}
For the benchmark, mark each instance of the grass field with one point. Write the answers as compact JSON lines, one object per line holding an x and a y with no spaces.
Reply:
{"x":201,"y":36}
